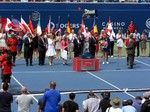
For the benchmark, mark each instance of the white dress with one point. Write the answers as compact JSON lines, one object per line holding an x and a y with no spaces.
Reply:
{"x":51,"y":50}
{"x":119,"y":40}
{"x":2,"y":40}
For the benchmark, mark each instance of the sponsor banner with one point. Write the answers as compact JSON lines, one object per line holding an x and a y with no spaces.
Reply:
{"x":120,"y":17}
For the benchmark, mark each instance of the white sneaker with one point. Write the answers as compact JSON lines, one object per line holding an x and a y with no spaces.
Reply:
{"x":103,"y":63}
{"x":107,"y":62}
{"x":112,"y":56}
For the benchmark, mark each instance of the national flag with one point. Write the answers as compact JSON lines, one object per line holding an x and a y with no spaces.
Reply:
{"x":24,"y":24}
{"x":48,"y":28}
{"x":109,"y":27}
{"x":0,"y":22}
{"x":6,"y":24}
{"x":39,"y":30}
{"x":69,"y":30}
{"x":95,"y":30}
{"x":49,"y":25}
{"x":82,"y":25}
{"x":16,"y":25}
{"x":58,"y":26}
{"x":31,"y":25}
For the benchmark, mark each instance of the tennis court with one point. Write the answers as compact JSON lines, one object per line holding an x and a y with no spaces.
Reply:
{"x":114,"y":76}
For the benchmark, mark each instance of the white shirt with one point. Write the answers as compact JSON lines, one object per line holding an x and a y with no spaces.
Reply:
{"x":91,"y":104}
{"x":136,"y":36}
{"x":24,"y":102}
{"x":71,"y":37}
{"x":112,"y":109}
{"x":87,"y":35}
{"x":2,"y":40}
{"x":111,"y":36}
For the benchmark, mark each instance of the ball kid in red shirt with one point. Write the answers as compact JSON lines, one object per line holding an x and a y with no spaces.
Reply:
{"x":12,"y":43}
{"x":7,"y":70}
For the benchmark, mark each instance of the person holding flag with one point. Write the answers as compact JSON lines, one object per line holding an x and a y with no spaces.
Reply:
{"x":12,"y":43}
{"x":82,"y":40}
{"x":92,"y":44}
{"x":71,"y":38}
{"x":112,"y":39}
{"x":28,"y":48}
{"x":97,"y":37}
{"x":111,"y":34}
{"x":42,"y":43}
{"x":87,"y":35}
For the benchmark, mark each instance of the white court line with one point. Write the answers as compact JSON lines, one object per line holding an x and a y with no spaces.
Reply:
{"x":142,"y":62}
{"x":22,"y":86}
{"x":109,"y":83}
{"x":33,"y":72}
{"x":39,"y":72}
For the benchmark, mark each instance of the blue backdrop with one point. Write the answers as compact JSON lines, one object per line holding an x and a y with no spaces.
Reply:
{"x":120,"y":14}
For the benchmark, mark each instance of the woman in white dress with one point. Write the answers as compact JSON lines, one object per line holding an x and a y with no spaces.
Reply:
{"x":51,"y":49}
{"x":120,"y":43}
{"x":2,"y":39}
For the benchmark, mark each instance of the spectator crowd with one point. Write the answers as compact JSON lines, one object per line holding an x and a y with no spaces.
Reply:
{"x":56,"y":45}
{"x":50,"y":102}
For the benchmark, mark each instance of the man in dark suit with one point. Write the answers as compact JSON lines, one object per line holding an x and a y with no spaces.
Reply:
{"x":28,"y":48}
{"x":130,"y":51}
{"x":92,"y":44}
{"x":82,"y":40}
{"x":42,"y":49}
{"x":77,"y":46}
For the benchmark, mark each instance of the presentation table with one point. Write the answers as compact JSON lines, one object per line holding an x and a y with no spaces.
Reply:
{"x":80,"y":64}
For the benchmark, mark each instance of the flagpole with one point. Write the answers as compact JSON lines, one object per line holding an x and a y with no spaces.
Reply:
{"x":49,"y":24}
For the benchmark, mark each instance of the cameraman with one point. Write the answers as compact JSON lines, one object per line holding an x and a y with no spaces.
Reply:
{"x":92,"y":103}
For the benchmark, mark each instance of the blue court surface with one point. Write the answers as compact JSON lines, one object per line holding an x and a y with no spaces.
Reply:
{"x":114,"y":76}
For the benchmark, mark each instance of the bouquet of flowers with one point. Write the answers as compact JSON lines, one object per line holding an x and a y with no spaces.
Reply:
{"x":104,"y":44}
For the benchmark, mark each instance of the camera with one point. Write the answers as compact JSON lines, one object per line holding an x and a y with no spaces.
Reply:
{"x":86,"y":11}
{"x":90,"y":13}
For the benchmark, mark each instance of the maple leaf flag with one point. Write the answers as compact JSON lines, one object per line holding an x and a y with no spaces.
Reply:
{"x":82,"y":25}
{"x":6,"y":24}
{"x":109,"y":27}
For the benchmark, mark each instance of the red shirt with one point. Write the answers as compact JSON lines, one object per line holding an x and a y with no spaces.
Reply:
{"x":6,"y":68}
{"x":12,"y":43}
{"x":64,"y":44}
{"x":131,"y":28}
{"x":127,"y":42}
{"x":3,"y":58}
